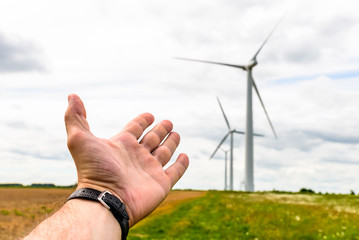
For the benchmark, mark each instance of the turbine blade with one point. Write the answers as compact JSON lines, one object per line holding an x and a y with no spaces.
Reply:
{"x":219,"y":145}
{"x":269,"y":35}
{"x":217,"y":63}
{"x":260,"y":99}
{"x":224,"y":115}
{"x":258,"y":135}
{"x":254,"y":134}
{"x":239,"y":132}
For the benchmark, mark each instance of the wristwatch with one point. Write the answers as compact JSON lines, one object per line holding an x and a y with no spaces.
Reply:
{"x":110,"y":202}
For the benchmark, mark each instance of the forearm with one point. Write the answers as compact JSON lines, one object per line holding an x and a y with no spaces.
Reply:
{"x":78,"y":219}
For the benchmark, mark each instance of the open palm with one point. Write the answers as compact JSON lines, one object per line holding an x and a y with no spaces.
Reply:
{"x":130,"y":169}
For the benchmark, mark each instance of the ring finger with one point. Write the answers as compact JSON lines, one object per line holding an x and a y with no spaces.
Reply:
{"x":164,"y":152}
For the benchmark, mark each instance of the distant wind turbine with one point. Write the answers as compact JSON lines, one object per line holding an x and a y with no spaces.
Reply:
{"x":230,"y":133}
{"x":249,"y":171}
{"x":225,"y":169}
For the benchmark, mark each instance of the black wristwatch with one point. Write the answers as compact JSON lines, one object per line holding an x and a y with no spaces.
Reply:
{"x":110,"y":202}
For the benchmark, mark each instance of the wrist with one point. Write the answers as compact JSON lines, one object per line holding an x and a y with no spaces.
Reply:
{"x":109,"y":202}
{"x":101,"y":187}
{"x":96,"y":221}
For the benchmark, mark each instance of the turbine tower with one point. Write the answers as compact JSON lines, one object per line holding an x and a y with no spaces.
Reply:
{"x":230,"y":133}
{"x":225,"y":169}
{"x":249,"y":168}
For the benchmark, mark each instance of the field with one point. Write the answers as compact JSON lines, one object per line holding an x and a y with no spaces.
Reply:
{"x":232,"y":215}
{"x":21,"y":209}
{"x":207,"y":215}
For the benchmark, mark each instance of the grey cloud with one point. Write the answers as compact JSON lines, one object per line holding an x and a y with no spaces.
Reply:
{"x":21,"y":125}
{"x":334,"y":26}
{"x":36,"y":154}
{"x":16,"y":125}
{"x":341,"y":161}
{"x":302,"y":54}
{"x":19,"y":56}
{"x":328,"y":137}
{"x":293,"y":139}
{"x":306,"y":141}
{"x":275,"y":165}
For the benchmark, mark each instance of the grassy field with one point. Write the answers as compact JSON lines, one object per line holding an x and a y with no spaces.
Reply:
{"x":233,"y":215}
{"x":205,"y":215}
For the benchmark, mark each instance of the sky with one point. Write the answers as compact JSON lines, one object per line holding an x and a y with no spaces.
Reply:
{"x":118,"y":57}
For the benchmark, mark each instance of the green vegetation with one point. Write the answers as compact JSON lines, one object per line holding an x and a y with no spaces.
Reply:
{"x":11,"y":185}
{"x":236,"y":215}
{"x":305,"y":190}
{"x":46,"y":210}
{"x":18,"y":213}
{"x":4,"y":212}
{"x":41,"y":185}
{"x":34,"y":185}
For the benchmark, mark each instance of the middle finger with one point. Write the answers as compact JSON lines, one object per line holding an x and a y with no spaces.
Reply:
{"x":156,"y":135}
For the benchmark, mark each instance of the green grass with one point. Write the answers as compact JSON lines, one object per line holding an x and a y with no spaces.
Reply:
{"x":35,"y":185}
{"x":44,"y":209}
{"x":4,"y":212}
{"x":233,"y":215}
{"x":18,"y":212}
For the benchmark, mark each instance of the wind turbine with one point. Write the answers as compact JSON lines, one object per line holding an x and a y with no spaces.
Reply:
{"x":230,"y":133}
{"x":225,"y":169}
{"x":249,"y":171}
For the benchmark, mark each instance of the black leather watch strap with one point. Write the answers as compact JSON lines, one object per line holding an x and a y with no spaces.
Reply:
{"x":109,"y":201}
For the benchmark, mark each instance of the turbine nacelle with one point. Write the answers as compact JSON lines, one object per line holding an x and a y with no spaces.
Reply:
{"x":251,"y":64}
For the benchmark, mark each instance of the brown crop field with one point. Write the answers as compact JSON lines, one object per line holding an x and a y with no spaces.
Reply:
{"x":21,"y":209}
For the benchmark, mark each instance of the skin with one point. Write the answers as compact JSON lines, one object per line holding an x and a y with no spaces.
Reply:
{"x":128,"y":168}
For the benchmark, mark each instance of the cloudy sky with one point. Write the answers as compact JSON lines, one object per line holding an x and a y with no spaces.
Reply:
{"x":118,"y":57}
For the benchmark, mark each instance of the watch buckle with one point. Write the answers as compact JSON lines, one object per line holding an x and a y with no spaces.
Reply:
{"x":100,"y":198}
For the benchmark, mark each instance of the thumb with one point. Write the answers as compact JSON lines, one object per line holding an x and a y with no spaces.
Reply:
{"x":75,"y":116}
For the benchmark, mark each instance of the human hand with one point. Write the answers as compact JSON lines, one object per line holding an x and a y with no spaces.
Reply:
{"x":131,"y":170}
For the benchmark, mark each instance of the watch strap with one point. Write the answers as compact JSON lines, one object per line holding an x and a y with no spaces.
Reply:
{"x":109,"y":201}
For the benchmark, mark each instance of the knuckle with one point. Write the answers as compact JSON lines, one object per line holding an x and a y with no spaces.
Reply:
{"x":166,"y":154}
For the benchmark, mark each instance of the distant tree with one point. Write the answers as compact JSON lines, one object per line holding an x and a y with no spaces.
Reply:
{"x":352,"y":192}
{"x":46,"y":185}
{"x":305,"y":190}
{"x":11,"y":185}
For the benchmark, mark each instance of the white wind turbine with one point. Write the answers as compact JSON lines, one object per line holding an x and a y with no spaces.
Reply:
{"x":225,"y":168}
{"x":249,"y":169}
{"x":230,"y":133}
